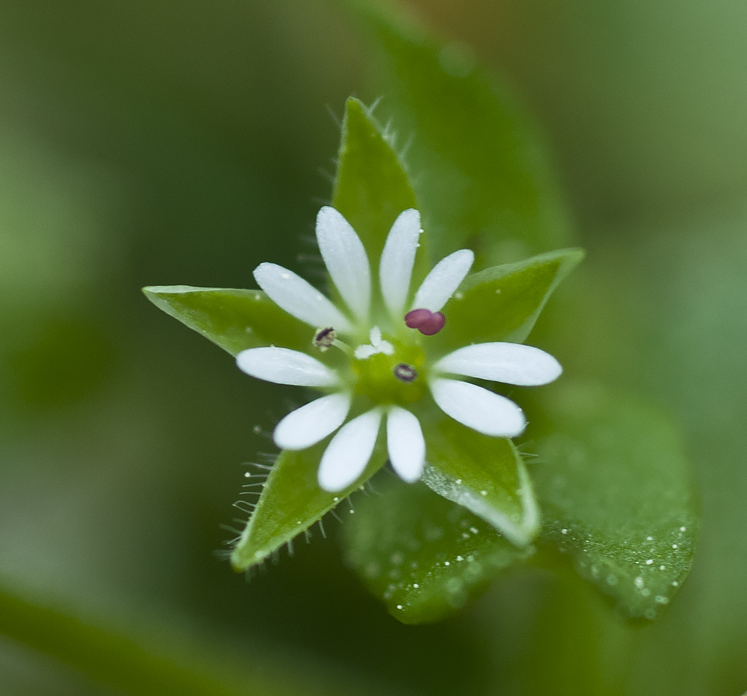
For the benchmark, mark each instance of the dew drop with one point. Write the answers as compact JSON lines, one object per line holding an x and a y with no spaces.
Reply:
{"x":483,"y":493}
{"x":564,"y":531}
{"x":460,"y":558}
{"x":415,"y":585}
{"x":661,"y":599}
{"x":682,"y":529}
{"x":675,"y":583}
{"x":649,"y":538}
{"x":674,"y":546}
{"x":399,"y":606}
{"x":645,"y":592}
{"x":474,"y":530}
{"x":661,"y":567}
{"x":649,"y":562}
{"x":639,"y":582}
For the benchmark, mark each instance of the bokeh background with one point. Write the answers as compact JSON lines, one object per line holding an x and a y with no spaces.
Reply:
{"x":164,"y":143}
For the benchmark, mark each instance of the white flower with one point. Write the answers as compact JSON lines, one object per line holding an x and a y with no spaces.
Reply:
{"x":384,"y":367}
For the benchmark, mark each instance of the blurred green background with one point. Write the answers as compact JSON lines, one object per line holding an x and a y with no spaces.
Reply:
{"x":164,"y":143}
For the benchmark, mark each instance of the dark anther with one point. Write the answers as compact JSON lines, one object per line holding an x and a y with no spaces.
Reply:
{"x":425,"y":321}
{"x":405,"y":373}
{"x":324,"y":338}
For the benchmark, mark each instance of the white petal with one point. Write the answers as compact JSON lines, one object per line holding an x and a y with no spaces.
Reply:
{"x":478,"y":408}
{"x":311,"y":423}
{"x":299,"y":298}
{"x":350,"y":450}
{"x":375,"y":336}
{"x":512,"y":363}
{"x":445,"y":277}
{"x":285,"y":366}
{"x":398,"y":259}
{"x":405,"y":444}
{"x":345,"y":258}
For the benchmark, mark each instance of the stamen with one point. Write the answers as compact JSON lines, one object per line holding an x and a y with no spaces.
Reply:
{"x":425,"y":321}
{"x":324,"y":339}
{"x":405,"y":373}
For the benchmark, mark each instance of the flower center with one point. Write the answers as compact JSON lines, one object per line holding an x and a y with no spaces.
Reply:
{"x":392,"y":378}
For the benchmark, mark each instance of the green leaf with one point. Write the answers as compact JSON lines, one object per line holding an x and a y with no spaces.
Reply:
{"x":234,"y":319}
{"x":424,"y":556}
{"x":371,"y":186}
{"x":483,"y":177}
{"x":291,"y":501}
{"x":617,"y":495}
{"x":484,"y":474}
{"x":503,"y":303}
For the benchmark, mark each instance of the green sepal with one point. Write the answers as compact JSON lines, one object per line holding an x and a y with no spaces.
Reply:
{"x":503,"y":303}
{"x":422,"y":555}
{"x":617,"y":496}
{"x":484,"y":474}
{"x":291,"y":501}
{"x":371,"y":186}
{"x":233,"y":319}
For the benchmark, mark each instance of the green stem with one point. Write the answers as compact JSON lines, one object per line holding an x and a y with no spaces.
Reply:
{"x":123,"y":663}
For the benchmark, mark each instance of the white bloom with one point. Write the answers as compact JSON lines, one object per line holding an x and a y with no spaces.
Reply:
{"x":380,"y":373}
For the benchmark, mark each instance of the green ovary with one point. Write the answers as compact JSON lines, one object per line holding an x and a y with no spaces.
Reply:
{"x":375,"y":376}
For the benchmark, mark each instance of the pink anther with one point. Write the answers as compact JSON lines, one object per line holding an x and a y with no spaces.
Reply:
{"x":425,"y":321}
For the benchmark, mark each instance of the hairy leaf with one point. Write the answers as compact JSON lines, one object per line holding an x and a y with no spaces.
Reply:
{"x":484,"y":474}
{"x":234,"y":319}
{"x":617,"y":495}
{"x":503,"y":303}
{"x":290,"y":502}
{"x":424,"y":556}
